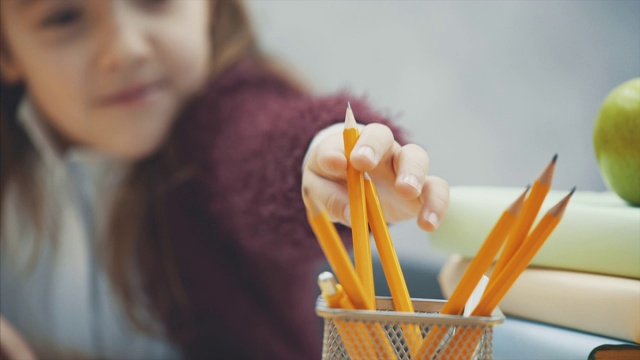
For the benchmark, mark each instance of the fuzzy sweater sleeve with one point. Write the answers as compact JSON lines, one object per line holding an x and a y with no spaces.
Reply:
{"x":253,"y":158}
{"x":247,"y":137}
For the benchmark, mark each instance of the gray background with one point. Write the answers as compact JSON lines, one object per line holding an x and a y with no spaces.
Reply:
{"x":492,"y":89}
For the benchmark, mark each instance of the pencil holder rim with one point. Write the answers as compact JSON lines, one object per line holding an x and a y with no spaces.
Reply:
{"x":385,"y":303}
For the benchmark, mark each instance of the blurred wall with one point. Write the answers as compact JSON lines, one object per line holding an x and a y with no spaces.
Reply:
{"x":492,"y":89}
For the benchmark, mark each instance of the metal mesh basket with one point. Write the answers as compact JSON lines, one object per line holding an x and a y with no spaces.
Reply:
{"x":387,"y":334}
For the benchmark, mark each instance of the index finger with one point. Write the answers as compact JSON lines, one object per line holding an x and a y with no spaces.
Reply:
{"x":374,"y":144}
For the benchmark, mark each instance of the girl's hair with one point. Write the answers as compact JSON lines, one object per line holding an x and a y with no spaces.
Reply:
{"x":134,"y":243}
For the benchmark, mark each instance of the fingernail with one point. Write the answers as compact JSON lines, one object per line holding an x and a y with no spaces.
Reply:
{"x":368,"y":153}
{"x":432,"y":218}
{"x":412,"y":180}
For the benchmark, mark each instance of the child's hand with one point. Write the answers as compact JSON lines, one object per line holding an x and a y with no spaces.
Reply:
{"x":399,"y":173}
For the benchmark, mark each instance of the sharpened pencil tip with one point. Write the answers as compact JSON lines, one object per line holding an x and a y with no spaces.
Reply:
{"x":547,"y":174}
{"x":516,"y":207}
{"x":558,"y":209}
{"x":349,"y":119}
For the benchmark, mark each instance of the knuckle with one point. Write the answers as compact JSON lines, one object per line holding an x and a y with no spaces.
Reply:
{"x":378,"y":133}
{"x":335,"y":206}
{"x":438,"y":204}
{"x":417,"y":151}
{"x":438,"y":194}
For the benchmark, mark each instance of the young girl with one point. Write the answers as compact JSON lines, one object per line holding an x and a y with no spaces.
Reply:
{"x":151,"y":173}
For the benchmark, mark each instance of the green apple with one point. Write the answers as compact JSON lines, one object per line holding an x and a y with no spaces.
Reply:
{"x":616,"y":140}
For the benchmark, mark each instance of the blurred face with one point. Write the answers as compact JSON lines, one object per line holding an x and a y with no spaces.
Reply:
{"x":110,"y":74}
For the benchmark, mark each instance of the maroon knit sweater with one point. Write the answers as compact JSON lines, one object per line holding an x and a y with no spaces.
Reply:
{"x":238,"y":230}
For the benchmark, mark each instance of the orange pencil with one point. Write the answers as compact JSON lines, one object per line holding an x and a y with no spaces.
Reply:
{"x":336,"y":254}
{"x":390,"y":264}
{"x":529,"y":212}
{"x":477,"y":267}
{"x":384,"y":244}
{"x":355,"y":188}
{"x":355,"y":336}
{"x":462,"y":344}
{"x":466,"y":341}
{"x":483,"y":259}
{"x":521,"y":259}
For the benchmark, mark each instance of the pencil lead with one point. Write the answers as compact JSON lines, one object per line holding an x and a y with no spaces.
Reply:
{"x":558,"y":209}
{"x":348,"y":104}
{"x":547,"y":175}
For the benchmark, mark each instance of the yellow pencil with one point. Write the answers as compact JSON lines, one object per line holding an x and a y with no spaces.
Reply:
{"x":463,"y":342}
{"x":466,"y":341}
{"x":355,"y":336}
{"x":336,"y":254}
{"x":390,"y":264}
{"x":478,"y":266}
{"x":355,"y":188}
{"x":384,"y":244}
{"x":338,"y":259}
{"x":521,"y":259}
{"x":483,"y":259}
{"x":530,"y":210}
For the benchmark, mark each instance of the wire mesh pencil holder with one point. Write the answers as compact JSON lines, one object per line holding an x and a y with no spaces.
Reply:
{"x":387,"y":334}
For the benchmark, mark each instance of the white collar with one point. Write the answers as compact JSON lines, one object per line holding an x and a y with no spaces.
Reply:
{"x":53,"y":157}
{"x":38,"y":133}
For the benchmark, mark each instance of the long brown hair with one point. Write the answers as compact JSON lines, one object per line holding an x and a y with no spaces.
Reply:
{"x":134,"y":243}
